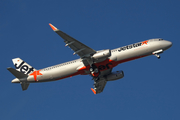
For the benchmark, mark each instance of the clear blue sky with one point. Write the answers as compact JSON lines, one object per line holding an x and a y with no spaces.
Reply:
{"x":150,"y":89}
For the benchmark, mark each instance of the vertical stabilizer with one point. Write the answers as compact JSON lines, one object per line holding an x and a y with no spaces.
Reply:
{"x":21,"y":73}
{"x":22,"y":66}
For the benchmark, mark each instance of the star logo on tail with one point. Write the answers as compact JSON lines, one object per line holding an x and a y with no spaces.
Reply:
{"x":35,"y":74}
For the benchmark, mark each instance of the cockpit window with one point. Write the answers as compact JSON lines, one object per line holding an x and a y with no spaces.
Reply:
{"x":160,"y":39}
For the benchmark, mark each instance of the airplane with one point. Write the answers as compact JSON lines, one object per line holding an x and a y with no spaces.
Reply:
{"x":98,"y":64}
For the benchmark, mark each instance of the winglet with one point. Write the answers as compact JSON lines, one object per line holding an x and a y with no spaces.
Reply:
{"x":54,"y":28}
{"x":93,"y":91}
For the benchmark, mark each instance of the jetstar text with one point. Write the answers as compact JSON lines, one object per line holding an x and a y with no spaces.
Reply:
{"x":129,"y":47}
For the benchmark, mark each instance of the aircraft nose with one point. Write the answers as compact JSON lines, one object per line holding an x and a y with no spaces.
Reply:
{"x":167,"y":44}
{"x":15,"y":81}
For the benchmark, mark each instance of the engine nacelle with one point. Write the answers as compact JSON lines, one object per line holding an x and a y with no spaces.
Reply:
{"x":102,"y":54}
{"x":115,"y":75}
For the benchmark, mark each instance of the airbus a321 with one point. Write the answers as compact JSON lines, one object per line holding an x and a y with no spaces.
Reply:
{"x":98,"y":64}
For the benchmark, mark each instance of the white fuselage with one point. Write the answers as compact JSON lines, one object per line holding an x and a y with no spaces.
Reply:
{"x":118,"y":55}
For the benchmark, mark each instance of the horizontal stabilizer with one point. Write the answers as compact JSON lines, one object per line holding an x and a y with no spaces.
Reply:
{"x":16,"y":73}
{"x":24,"y":85}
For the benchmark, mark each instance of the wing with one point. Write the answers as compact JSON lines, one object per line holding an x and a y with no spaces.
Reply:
{"x":84,"y":52}
{"x":101,"y":83}
{"x":79,"y":48}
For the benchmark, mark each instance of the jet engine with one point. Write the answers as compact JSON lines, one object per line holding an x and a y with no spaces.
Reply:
{"x":115,"y":75}
{"x":102,"y":54}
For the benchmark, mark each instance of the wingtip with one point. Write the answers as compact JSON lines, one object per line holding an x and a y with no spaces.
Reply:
{"x":93,"y":91}
{"x":53,"y":27}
